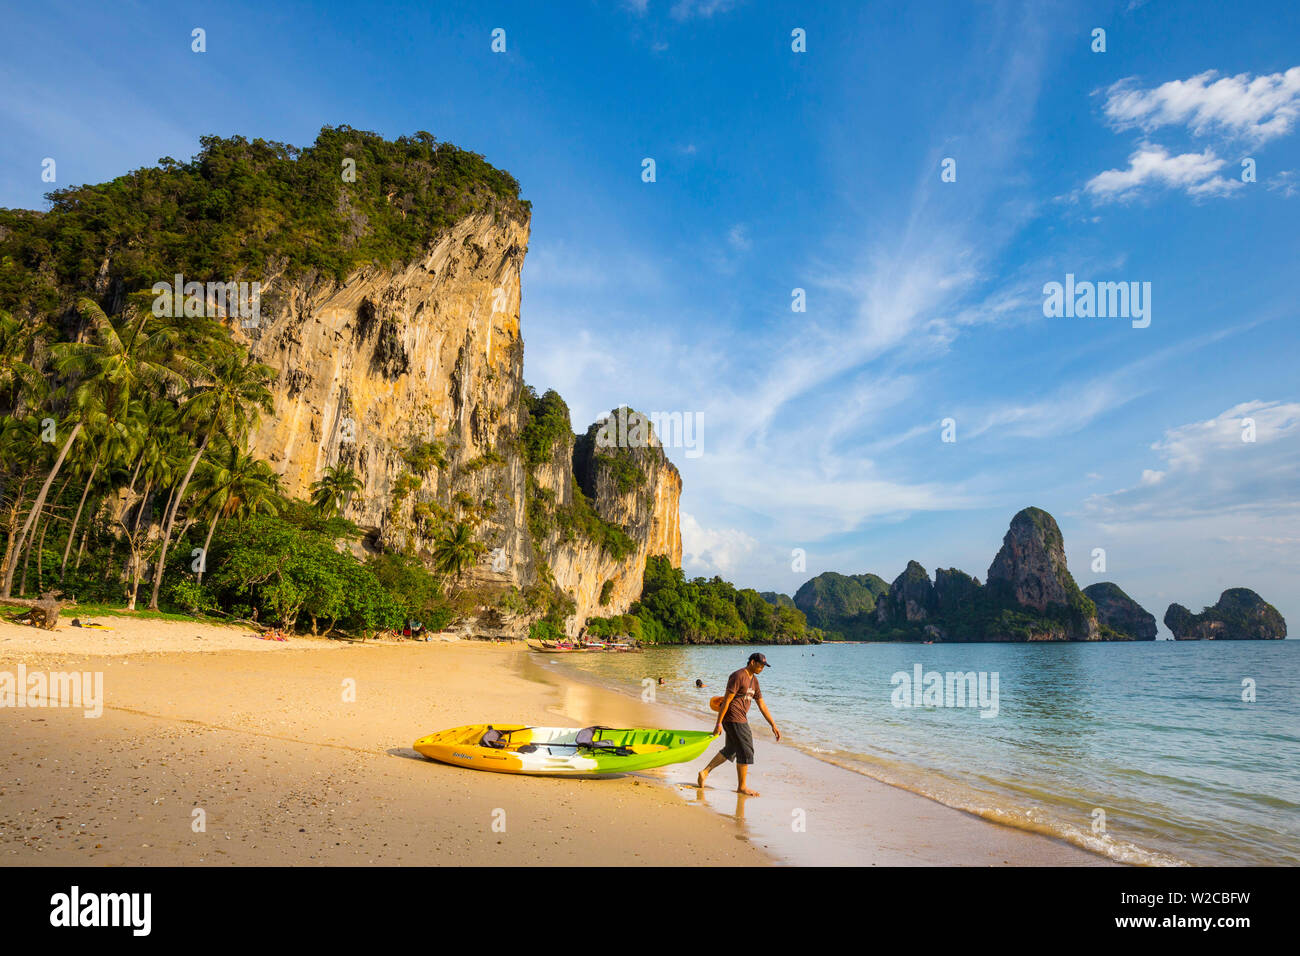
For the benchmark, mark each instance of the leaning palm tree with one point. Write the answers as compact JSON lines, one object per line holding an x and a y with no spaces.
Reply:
{"x":455,"y":550}
{"x":226,"y":397}
{"x":334,"y":489}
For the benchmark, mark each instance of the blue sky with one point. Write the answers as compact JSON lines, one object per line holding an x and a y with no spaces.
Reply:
{"x":820,"y":170}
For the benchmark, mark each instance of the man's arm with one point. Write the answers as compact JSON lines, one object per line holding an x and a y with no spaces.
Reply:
{"x":763,"y":708}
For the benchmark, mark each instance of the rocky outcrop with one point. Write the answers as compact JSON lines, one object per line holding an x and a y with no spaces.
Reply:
{"x":955,"y":590}
{"x":414,"y":378}
{"x":644,"y":507}
{"x":910,"y":599}
{"x":1030,"y":567}
{"x":1239,"y":615}
{"x":1119,"y":612}
{"x":1030,"y":572}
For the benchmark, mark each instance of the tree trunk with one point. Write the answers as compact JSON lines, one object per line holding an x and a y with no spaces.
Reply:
{"x":72,"y":532}
{"x":207,"y":542}
{"x":40,"y":559}
{"x":12,"y":529}
{"x":135,"y":474}
{"x":81,"y":550}
{"x":39,"y":504}
{"x":27,"y":562}
{"x":148,"y":485}
{"x":171,"y":520}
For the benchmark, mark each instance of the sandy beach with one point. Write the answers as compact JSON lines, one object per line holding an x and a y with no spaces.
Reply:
{"x":261,"y":737}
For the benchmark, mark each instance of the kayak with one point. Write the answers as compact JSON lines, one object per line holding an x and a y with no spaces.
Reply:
{"x":514,"y":748}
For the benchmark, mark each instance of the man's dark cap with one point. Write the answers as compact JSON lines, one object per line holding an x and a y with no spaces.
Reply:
{"x":760,"y":658}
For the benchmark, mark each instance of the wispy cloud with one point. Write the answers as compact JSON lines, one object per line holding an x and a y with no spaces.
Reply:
{"x":686,"y":9}
{"x":1245,"y":459}
{"x":1286,"y":182}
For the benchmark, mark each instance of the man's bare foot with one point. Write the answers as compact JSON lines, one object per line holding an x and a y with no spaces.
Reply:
{"x":747,"y":792}
{"x":699,"y":781}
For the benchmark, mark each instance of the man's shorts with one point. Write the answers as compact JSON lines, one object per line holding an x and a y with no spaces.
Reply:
{"x":740,"y":743}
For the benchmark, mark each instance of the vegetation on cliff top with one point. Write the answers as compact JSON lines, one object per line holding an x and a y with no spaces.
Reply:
{"x":240,"y":208}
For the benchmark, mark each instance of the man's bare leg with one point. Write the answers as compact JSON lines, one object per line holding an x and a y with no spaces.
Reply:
{"x":717,"y":761}
{"x":742,"y":771}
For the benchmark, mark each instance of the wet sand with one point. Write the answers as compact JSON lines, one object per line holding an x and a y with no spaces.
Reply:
{"x":260,"y":737}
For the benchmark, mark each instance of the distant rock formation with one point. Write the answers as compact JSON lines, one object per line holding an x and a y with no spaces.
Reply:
{"x":776,"y":598}
{"x":1029,"y":572}
{"x":910,"y":599}
{"x":954,"y":590}
{"x":1239,"y":615}
{"x":1030,"y":596}
{"x":1119,"y":612}
{"x":841,"y":604}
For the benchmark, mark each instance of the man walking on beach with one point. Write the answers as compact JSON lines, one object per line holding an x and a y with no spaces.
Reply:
{"x":742,"y":687}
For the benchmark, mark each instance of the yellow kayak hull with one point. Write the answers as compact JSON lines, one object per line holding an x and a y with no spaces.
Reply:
{"x":552,"y":751}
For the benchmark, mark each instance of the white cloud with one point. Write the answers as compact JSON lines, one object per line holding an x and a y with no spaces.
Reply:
{"x":738,"y":236}
{"x":1195,"y":173}
{"x":713,"y":550}
{"x":1253,"y":109}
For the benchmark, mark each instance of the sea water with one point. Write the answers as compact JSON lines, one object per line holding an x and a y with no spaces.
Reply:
{"x":1157,"y":752}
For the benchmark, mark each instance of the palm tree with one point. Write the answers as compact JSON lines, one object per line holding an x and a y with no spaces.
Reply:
{"x":333,"y":489}
{"x":235,"y":485}
{"x":18,"y":379}
{"x":227,"y":397}
{"x":104,"y":373}
{"x":455,"y":550}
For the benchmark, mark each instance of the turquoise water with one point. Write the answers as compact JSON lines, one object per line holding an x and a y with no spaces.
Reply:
{"x":1155,"y":735}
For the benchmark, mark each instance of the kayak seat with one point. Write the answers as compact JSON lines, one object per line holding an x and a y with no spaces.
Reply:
{"x":586,"y":738}
{"x":492,"y":740}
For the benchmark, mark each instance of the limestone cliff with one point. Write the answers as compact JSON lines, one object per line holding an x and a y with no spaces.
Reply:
{"x":1239,"y":615}
{"x":1119,"y":612}
{"x":1030,"y":572}
{"x":910,"y":599}
{"x":414,"y":378}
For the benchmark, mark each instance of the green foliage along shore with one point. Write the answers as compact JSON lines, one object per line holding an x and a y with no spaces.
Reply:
{"x":673,"y":610}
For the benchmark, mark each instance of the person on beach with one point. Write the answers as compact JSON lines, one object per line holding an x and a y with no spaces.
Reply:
{"x":742,"y":687}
